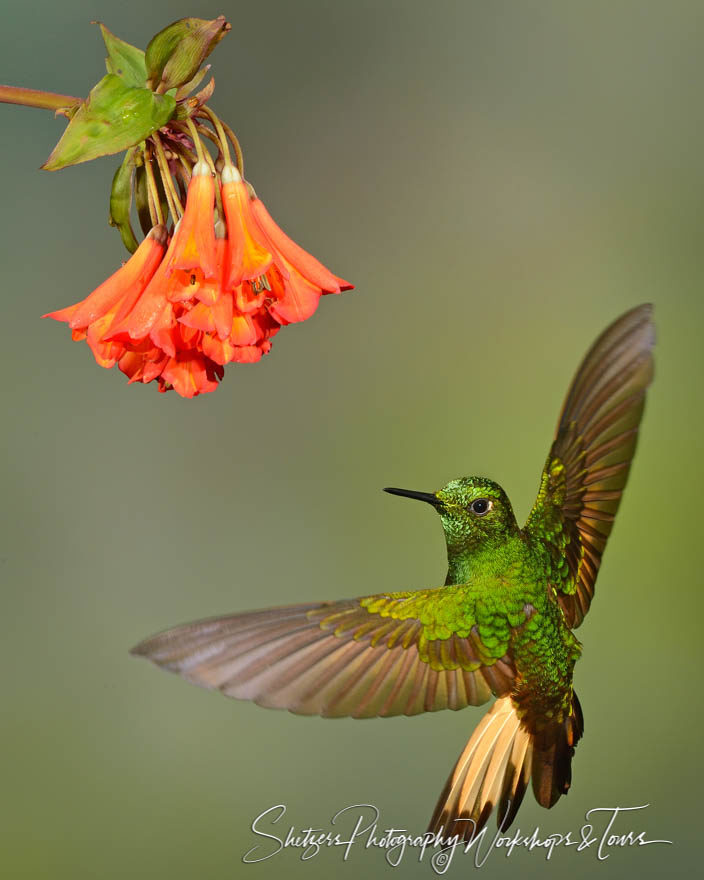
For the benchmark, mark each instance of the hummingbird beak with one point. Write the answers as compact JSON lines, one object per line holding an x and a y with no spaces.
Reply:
{"x":428,"y":497}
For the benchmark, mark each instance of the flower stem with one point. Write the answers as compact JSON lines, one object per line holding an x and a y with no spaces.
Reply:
{"x":36,"y":98}
{"x":184,"y":154}
{"x":224,"y":149}
{"x":182,"y":177}
{"x":185,"y":170}
{"x":236,"y":145}
{"x":211,"y":135}
{"x":175,"y":205}
{"x":196,"y":140}
{"x":154,"y":200}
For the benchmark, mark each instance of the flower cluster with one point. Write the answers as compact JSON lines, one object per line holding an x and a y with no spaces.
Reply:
{"x":213,"y":292}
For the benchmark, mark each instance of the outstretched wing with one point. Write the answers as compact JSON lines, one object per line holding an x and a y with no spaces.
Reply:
{"x":588,"y":464}
{"x":391,"y":654}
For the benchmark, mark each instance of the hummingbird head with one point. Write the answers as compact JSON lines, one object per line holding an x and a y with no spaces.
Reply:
{"x":475,"y":513}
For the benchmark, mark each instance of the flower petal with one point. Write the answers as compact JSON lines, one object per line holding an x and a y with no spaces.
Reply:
{"x":200,"y":317}
{"x":222,"y":312}
{"x":247,"y":299}
{"x":107,"y":354}
{"x":247,"y":354}
{"x":132,"y":365}
{"x":219,"y":350}
{"x":133,"y":275}
{"x":189,"y":373}
{"x":164,"y":333}
{"x":299,"y":301}
{"x":194,"y":236}
{"x":299,"y":258}
{"x":140,"y":367}
{"x":65,"y":314}
{"x":139,"y":320}
{"x":243,"y":331}
{"x":246,"y":256}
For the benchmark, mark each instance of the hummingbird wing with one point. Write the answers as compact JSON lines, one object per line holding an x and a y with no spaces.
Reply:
{"x":588,"y":464}
{"x":389,"y":654}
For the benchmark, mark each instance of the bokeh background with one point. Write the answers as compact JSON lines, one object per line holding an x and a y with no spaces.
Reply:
{"x":500,"y":180}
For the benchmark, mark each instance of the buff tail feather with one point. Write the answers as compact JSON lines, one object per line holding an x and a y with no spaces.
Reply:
{"x":496,"y":765}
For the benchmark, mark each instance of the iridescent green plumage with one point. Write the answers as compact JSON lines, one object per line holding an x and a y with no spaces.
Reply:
{"x":501,"y":625}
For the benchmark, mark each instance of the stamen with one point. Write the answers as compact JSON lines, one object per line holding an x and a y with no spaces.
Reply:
{"x":261,"y":283}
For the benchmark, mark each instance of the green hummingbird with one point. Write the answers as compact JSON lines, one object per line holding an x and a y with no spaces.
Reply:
{"x":502,"y":623}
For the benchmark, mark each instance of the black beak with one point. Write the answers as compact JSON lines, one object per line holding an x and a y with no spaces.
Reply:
{"x":428,"y":497}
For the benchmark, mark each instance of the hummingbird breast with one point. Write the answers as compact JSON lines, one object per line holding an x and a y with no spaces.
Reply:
{"x":515,"y":607}
{"x":544,"y":651}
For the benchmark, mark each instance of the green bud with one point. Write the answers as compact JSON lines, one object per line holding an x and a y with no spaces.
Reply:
{"x":121,"y":200}
{"x":175,"y":54}
{"x":141,"y":199}
{"x":113,"y":118}
{"x":124,"y":60}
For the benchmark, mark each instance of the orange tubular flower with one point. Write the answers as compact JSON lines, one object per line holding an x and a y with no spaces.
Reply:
{"x":216,"y":292}
{"x":93,"y":317}
{"x":294,"y":255}
{"x":259,"y":249}
{"x":246,"y":259}
{"x":213,"y":282}
{"x":194,"y":237}
{"x":189,"y":373}
{"x":128,"y":299}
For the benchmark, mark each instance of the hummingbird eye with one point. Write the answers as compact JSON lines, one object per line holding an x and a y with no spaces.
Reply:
{"x":480,"y":506}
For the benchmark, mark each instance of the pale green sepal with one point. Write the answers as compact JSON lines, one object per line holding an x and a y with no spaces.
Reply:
{"x":187,"y":108}
{"x":185,"y":90}
{"x":113,"y":118}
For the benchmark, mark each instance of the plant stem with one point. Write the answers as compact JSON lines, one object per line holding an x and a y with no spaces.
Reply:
{"x":196,"y":140}
{"x":236,"y":145}
{"x":153,"y":192}
{"x":224,"y":149}
{"x":172,"y":198}
{"x":36,"y":98}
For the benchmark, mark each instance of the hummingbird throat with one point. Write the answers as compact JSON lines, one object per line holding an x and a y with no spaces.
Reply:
{"x":472,"y":550}
{"x":461,"y":564}
{"x":465,"y":563}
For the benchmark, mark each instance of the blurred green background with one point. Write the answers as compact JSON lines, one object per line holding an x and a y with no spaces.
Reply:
{"x":500,"y":180}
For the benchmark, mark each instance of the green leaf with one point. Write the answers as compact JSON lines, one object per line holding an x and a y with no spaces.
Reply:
{"x":124,"y":60}
{"x":175,"y":54}
{"x":113,"y":118}
{"x":121,"y":201}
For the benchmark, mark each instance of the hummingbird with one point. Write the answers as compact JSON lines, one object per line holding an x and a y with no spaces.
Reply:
{"x":502,"y":624}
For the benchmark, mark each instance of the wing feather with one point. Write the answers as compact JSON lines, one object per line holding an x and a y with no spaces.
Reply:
{"x":361,"y":658}
{"x":589,"y":461}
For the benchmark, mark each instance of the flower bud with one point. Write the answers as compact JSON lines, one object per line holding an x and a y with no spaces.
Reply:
{"x":174,"y":55}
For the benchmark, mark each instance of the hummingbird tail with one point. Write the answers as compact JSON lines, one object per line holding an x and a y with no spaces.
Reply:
{"x":496,"y":765}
